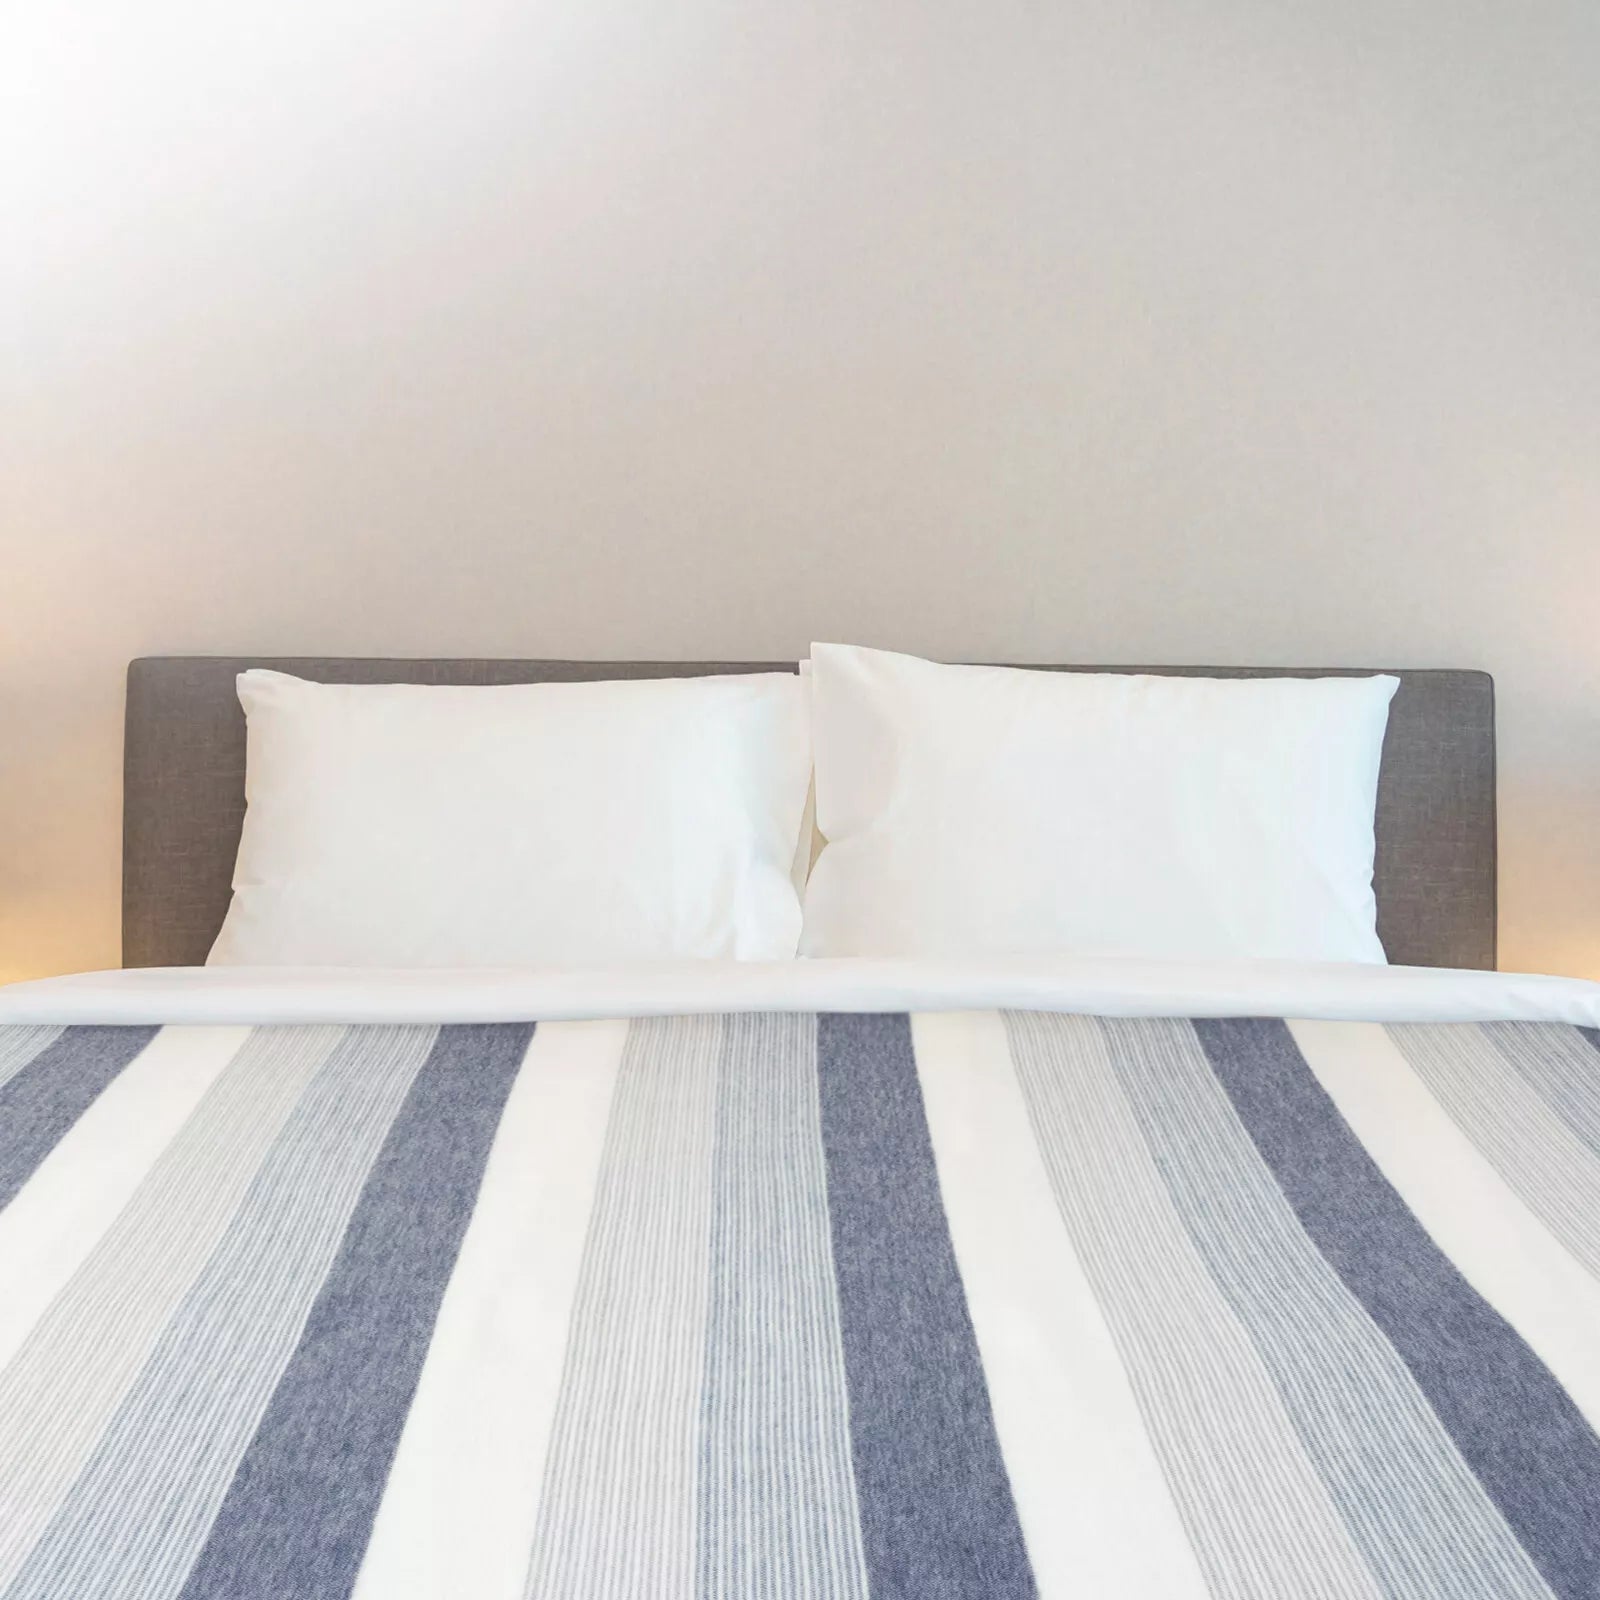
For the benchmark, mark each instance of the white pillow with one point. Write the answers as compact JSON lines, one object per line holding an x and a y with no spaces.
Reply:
{"x":994,"y":811}
{"x":411,"y":825}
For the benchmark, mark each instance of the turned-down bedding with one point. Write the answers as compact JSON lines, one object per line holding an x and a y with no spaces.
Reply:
{"x":854,"y":1280}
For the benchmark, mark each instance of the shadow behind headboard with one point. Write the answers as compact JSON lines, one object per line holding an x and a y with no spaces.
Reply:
{"x":184,"y":759}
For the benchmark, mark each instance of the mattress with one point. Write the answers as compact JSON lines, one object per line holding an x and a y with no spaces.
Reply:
{"x":857,"y":1280}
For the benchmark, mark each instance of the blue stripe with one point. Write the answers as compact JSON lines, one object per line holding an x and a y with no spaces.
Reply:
{"x":1592,"y":1035}
{"x":298,"y":1514}
{"x":40,"y":1104}
{"x":1512,"y":1422}
{"x":937,"y":1518}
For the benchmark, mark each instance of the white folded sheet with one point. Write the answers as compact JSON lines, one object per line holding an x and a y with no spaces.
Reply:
{"x":1104,"y":987}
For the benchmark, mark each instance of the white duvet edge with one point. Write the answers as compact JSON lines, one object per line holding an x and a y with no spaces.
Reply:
{"x":1102,"y":987}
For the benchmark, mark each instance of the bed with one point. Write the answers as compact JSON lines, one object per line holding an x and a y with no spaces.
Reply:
{"x":858,"y":1278}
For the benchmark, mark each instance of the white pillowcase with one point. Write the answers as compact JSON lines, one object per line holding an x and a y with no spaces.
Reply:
{"x":412,"y":825}
{"x":996,"y":811}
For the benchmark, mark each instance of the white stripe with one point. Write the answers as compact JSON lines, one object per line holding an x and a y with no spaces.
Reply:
{"x":462,"y":1501}
{"x":1093,"y":1501}
{"x":79,"y":1189}
{"x":1495,"y":1241}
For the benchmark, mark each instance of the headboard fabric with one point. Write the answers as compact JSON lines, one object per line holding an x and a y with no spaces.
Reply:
{"x":184,"y":759}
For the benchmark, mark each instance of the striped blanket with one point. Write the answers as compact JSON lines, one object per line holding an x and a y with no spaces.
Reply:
{"x":867,"y":1306}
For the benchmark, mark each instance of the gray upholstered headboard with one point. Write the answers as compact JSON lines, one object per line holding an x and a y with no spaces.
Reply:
{"x":183,"y":800}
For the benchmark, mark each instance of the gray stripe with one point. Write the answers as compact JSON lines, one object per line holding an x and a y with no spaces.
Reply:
{"x":19,"y":1045}
{"x":937,"y":1518}
{"x":1421,"y":1518}
{"x":43,"y":1098}
{"x":1257,"y":1512}
{"x":139,"y":1512}
{"x":1509,"y":1418}
{"x":63,"y":1385}
{"x":618,"y":1512}
{"x":777,"y":1507}
{"x":1535,"y":1152}
{"x":321,"y":1455}
{"x":1560,"y":1065}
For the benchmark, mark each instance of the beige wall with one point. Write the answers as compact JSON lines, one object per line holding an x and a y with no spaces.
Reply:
{"x":1224,"y":332}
